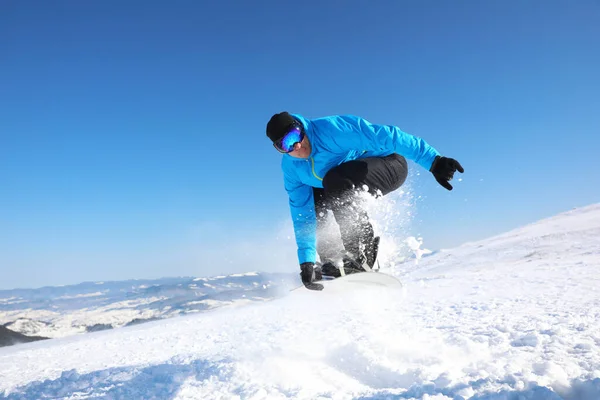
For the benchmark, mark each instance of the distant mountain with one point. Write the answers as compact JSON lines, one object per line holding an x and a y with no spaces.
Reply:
{"x":96,"y":306}
{"x":8,"y":337}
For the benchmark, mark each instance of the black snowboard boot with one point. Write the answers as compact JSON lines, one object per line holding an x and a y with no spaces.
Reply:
{"x":370,"y":252}
{"x":329,"y":269}
{"x":350,"y":266}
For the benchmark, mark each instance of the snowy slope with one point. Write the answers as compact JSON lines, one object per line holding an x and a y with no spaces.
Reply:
{"x":67,"y":310}
{"x":516,"y":316}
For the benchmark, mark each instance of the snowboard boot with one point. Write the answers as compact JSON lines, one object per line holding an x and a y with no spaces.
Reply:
{"x":367,"y":253}
{"x":329,"y":269}
{"x":349,"y":266}
{"x":370,"y":252}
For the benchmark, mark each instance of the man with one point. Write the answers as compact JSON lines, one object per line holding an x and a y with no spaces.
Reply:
{"x":327,"y":162}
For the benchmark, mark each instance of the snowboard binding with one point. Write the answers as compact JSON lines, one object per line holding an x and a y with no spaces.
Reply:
{"x":365,"y":262}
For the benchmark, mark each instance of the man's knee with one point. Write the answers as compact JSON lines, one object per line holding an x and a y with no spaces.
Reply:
{"x":380,"y":175}
{"x":344,"y":177}
{"x":399,"y":172}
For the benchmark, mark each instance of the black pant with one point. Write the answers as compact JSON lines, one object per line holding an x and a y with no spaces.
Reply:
{"x":380,"y":175}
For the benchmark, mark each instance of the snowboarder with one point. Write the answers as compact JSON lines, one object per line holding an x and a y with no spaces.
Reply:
{"x":326,"y":162}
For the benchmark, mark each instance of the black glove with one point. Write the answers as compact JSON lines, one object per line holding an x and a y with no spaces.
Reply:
{"x":443,"y":170}
{"x":309,"y":274}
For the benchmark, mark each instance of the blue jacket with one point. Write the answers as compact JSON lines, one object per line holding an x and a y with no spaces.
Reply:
{"x":335,"y":140}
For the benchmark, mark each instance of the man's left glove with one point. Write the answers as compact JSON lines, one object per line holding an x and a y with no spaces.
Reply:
{"x":443,"y":170}
{"x":309,"y":274}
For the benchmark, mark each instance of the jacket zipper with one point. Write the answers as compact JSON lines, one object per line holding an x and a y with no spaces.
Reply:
{"x":313,"y":169}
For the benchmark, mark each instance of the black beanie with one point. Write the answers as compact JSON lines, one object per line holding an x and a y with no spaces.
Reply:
{"x":279,"y":125}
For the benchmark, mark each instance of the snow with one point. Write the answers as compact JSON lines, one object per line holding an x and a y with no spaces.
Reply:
{"x":78,"y":296}
{"x":77,"y":309}
{"x":244,"y":274}
{"x":10,"y":300}
{"x":516,"y":316}
{"x":76,"y":321}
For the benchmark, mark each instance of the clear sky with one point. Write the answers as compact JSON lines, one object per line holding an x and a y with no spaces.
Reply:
{"x":132,"y":134}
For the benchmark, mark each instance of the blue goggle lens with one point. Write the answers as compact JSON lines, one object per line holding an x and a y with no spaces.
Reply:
{"x":286,"y":143}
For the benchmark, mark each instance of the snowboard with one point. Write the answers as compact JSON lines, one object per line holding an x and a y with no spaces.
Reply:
{"x":357,"y":280}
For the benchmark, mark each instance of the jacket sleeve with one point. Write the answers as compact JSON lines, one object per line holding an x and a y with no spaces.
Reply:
{"x":302,"y":209}
{"x":360,"y":134}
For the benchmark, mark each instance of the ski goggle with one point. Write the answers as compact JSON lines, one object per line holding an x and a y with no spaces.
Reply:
{"x":287,"y":142}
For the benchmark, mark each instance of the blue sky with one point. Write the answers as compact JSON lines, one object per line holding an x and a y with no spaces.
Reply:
{"x":132,"y":139}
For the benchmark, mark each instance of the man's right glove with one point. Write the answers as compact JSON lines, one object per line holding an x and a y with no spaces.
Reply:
{"x":309,"y":274}
{"x":443,"y":169}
